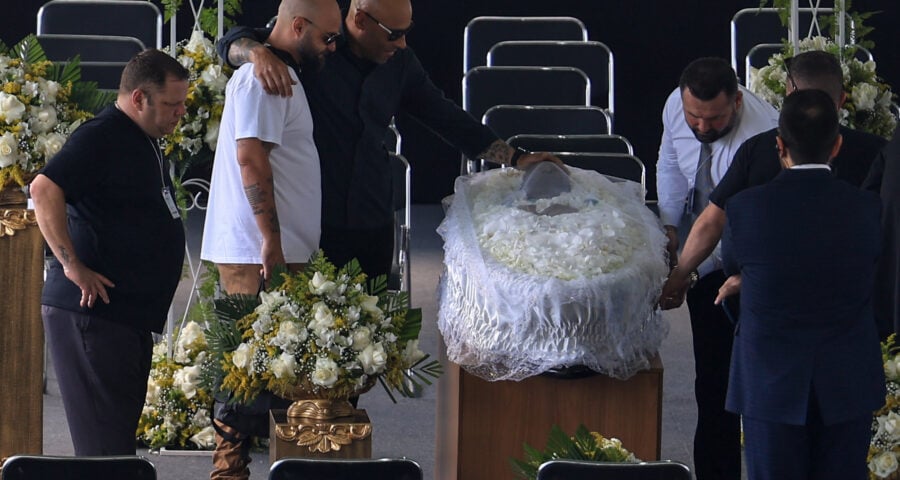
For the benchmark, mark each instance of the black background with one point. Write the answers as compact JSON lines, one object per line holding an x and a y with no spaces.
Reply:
{"x":650,"y":40}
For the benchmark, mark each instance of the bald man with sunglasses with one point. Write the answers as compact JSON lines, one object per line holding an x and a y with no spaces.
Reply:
{"x":372,"y":77}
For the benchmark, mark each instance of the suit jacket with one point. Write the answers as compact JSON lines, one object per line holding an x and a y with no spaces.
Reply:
{"x":806,"y":245}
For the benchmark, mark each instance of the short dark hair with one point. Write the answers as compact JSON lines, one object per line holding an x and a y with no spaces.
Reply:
{"x":707,"y":77}
{"x":819,"y":70}
{"x":151,"y":67}
{"x":808,"y":126}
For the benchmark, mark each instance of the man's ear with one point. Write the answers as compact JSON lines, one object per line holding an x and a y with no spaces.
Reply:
{"x":782,"y":153}
{"x":137,"y":99}
{"x":836,"y":148}
{"x":843,"y":99}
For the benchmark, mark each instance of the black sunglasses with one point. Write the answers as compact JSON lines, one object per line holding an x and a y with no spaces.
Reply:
{"x":329,"y":37}
{"x":393,"y":33}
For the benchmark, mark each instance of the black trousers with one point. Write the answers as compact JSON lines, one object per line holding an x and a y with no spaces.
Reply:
{"x":372,"y":247}
{"x":102,"y":367}
{"x":717,"y":440}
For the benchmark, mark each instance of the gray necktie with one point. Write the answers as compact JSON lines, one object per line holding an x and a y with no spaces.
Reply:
{"x":703,"y":184}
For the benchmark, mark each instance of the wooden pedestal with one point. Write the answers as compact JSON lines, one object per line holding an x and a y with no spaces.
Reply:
{"x":298,"y":437}
{"x":481,"y":425}
{"x":21,"y":340}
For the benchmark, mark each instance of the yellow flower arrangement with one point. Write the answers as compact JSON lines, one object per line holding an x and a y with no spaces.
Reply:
{"x":41,"y":104}
{"x":324,"y":333}
{"x":178,"y":407}
{"x":884,"y":449}
{"x":584,"y":445}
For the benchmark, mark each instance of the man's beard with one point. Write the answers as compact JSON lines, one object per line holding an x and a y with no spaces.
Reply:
{"x":713,"y":135}
{"x":311,"y":62}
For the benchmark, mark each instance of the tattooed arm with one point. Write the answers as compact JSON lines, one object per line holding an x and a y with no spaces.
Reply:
{"x":271,"y":72}
{"x":259,"y":187}
{"x":501,"y":153}
{"x":50,"y":210}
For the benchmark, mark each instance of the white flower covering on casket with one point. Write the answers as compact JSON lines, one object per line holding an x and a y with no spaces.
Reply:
{"x":523,"y":293}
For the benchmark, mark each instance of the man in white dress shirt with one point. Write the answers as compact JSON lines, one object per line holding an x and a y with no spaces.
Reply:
{"x":705,"y":120}
{"x":265,"y":197}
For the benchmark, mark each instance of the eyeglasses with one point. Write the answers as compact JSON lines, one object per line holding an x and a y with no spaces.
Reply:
{"x":393,"y":33}
{"x":787,"y":68}
{"x":329,"y":37}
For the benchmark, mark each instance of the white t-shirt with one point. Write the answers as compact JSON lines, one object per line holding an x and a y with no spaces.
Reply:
{"x":230,"y":234}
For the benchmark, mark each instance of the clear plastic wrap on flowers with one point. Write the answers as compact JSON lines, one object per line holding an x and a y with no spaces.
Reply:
{"x":530,"y":285}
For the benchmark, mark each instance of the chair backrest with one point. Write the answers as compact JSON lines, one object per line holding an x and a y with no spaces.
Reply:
{"x":484,"y":87}
{"x":106,"y":74}
{"x":617,"y":165}
{"x":141,"y":20}
{"x":573,"y":143}
{"x":393,"y":142}
{"x":482,"y":33}
{"x":753,"y":26}
{"x":90,"y":48}
{"x":585,"y":470}
{"x":340,"y":469}
{"x":41,"y":467}
{"x":759,"y":55}
{"x":399,"y":279}
{"x":593,"y":58}
{"x":510,"y":120}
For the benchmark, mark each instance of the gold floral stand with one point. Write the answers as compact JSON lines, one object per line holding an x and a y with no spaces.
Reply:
{"x":319,"y":429}
{"x":22,"y":337}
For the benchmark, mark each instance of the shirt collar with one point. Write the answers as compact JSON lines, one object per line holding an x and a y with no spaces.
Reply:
{"x":812,"y":166}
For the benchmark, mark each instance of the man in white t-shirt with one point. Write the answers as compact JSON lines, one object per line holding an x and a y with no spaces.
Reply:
{"x":266,"y":161}
{"x":266,"y":164}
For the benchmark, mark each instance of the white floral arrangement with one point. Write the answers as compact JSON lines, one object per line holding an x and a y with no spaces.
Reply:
{"x":40,"y":106}
{"x":591,"y":239}
{"x":194,"y":140}
{"x":177,"y":408}
{"x":326,"y":333}
{"x":868,"y":105}
{"x":884,"y":449}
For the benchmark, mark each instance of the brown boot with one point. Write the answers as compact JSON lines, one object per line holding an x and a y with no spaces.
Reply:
{"x":232,"y":455}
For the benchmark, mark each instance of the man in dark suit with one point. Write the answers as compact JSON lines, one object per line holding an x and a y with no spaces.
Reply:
{"x":806,"y":370}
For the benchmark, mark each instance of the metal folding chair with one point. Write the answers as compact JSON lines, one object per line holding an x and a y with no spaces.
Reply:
{"x":481,"y":33}
{"x":573,"y":143}
{"x":759,"y":55}
{"x":90,"y":48}
{"x":399,"y":278}
{"x":510,"y":120}
{"x":393,"y":142}
{"x":141,"y":20}
{"x":754,"y":26}
{"x":586,"y":470}
{"x":41,"y":467}
{"x":616,"y":165}
{"x":340,"y":469}
{"x":593,"y":58}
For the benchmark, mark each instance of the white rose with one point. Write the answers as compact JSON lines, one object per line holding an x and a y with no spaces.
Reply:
{"x":49,"y":91}
{"x":270,"y":301}
{"x":43,"y":119}
{"x":864,"y":96}
{"x":153,"y":392}
{"x":369,"y":304}
{"x":187,"y":379}
{"x":326,"y":372}
{"x":11,"y":109}
{"x":322,"y":320}
{"x":242,"y":356}
{"x":320,"y":285}
{"x":186,"y":61}
{"x":883,"y":464}
{"x":289,"y":329}
{"x":9,"y":149}
{"x":412,"y":354}
{"x":889,"y":424}
{"x":283,"y":366}
{"x":197,"y":43}
{"x":892,"y":368}
{"x":205,"y":438}
{"x":190,"y":334}
{"x":373,"y":359}
{"x":214,"y":77}
{"x":361,"y":338}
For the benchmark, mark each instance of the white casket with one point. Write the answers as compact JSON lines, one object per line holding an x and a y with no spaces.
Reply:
{"x":523,"y":292}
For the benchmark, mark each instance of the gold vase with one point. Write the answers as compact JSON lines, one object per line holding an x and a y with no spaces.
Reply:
{"x":320,"y":409}
{"x":12,"y":197}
